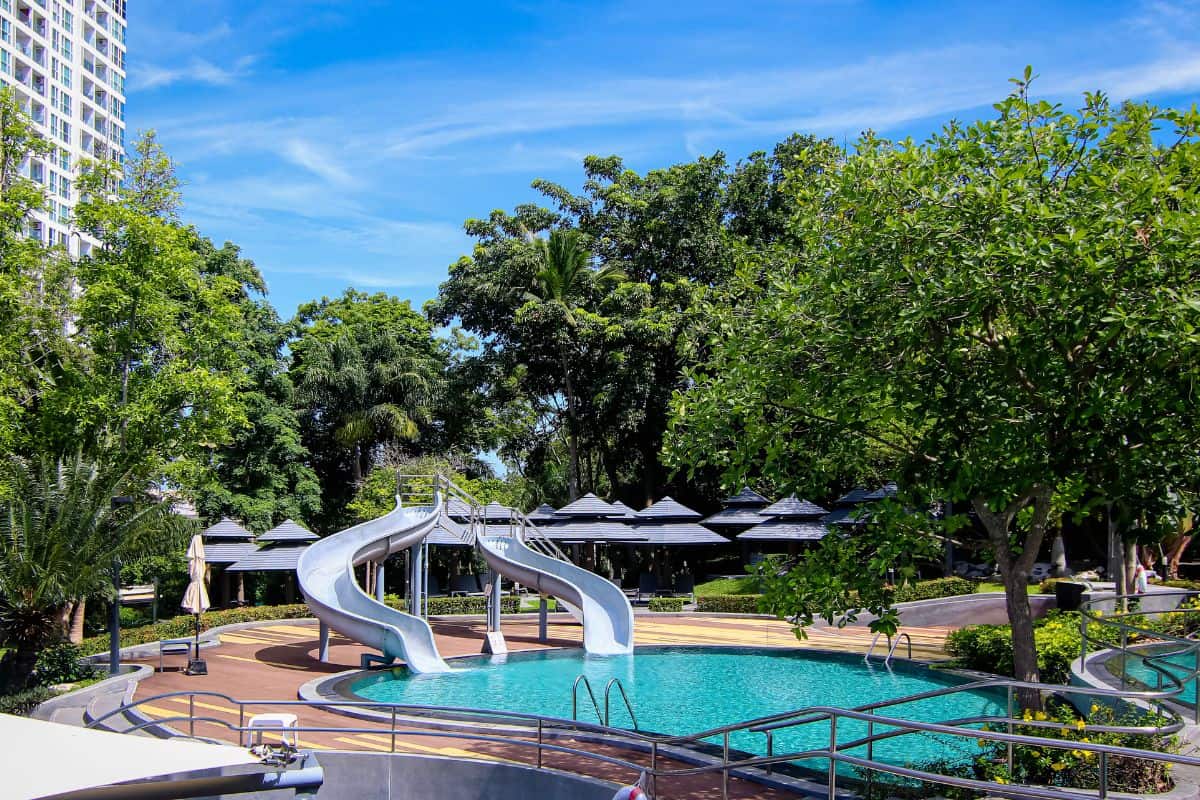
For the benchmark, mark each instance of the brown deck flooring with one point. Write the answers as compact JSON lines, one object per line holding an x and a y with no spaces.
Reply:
{"x":271,"y":662}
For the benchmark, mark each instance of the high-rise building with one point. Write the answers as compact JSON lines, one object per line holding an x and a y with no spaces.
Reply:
{"x":65,"y":59}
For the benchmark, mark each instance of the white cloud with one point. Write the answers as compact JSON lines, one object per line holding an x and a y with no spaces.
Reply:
{"x":198,"y":70}
{"x":316,"y":160}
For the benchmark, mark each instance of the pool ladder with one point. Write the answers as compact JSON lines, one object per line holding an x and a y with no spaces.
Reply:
{"x":892,"y":649}
{"x":608,"y":687}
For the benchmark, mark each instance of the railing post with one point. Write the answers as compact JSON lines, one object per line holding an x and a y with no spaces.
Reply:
{"x":832,"y":757}
{"x":393,"y":729}
{"x":241,"y":721}
{"x":191,"y":715}
{"x":770,"y":749}
{"x":725,"y":767}
{"x":1010,"y":730}
{"x":539,"y":744}
{"x":1083,"y":621}
{"x":1196,"y":685}
{"x":654,"y":769}
{"x":1104,"y":775}
{"x":870,"y":752}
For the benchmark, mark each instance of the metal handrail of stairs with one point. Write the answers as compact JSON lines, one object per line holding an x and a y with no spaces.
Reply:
{"x":892,"y":650}
{"x":624,"y":698}
{"x":575,"y":699}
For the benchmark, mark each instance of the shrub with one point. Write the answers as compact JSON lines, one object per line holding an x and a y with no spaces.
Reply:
{"x":448,"y":606}
{"x":62,"y":663}
{"x":988,"y":648}
{"x":1048,"y":586}
{"x":22,"y":703}
{"x":133,"y":618}
{"x":1046,"y":766}
{"x":178,"y":627}
{"x":729,"y":603}
{"x":666,"y":604}
{"x":931,"y":590}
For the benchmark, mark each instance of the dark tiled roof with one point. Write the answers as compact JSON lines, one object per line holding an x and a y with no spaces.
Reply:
{"x":785,"y":531}
{"x":288,"y":531}
{"x":885,"y":491}
{"x":847,"y":517}
{"x":623,"y":511}
{"x":587,"y":506}
{"x":226,"y":529}
{"x":677,"y":533}
{"x":735,"y":517}
{"x":793,"y":506}
{"x":746,"y":497}
{"x":667,"y":508}
{"x":543,"y":513}
{"x":496,"y":511}
{"x":279,"y":558}
{"x":859,"y":494}
{"x":597,"y":531}
{"x":227,"y":552}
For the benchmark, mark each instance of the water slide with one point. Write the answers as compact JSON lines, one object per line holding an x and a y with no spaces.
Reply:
{"x":326,"y":577}
{"x":602,"y":607}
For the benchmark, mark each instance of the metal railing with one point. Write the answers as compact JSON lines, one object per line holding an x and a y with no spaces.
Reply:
{"x":1172,"y":679}
{"x":552,"y":735}
{"x":892,"y":650}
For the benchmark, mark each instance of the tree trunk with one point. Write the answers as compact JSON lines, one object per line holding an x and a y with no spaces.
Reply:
{"x":1131,"y":562}
{"x":75,"y":632}
{"x":1014,"y":570}
{"x":572,"y":430}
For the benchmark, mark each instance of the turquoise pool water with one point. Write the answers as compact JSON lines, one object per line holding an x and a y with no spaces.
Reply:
{"x":1180,"y":666}
{"x":684,"y":690}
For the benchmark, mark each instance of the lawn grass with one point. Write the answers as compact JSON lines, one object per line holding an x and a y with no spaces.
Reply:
{"x":985,"y":586}
{"x":744,"y":585}
{"x":531,"y":604}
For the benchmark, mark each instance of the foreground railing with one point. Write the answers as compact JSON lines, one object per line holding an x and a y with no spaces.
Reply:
{"x":550,"y":735}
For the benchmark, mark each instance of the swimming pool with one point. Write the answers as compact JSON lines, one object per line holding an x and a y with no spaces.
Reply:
{"x":1180,"y":666}
{"x":684,"y":690}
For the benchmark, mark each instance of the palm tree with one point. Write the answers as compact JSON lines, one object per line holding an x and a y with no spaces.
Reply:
{"x":564,"y":277}
{"x":60,"y":536}
{"x":367,"y":393}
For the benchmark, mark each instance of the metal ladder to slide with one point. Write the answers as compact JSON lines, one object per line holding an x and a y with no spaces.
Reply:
{"x":893,"y":644}
{"x":608,"y":687}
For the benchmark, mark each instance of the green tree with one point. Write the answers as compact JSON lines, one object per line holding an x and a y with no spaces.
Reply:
{"x":260,"y":475}
{"x":159,"y":374}
{"x":34,"y":281}
{"x":59,"y":536}
{"x":1007,"y":312}
{"x":367,"y":370}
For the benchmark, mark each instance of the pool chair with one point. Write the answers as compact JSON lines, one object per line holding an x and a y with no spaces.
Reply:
{"x":685,"y":586}
{"x":464,"y":586}
{"x":647,"y":587}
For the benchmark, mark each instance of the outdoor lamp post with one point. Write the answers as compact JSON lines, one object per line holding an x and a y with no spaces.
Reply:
{"x":114,"y":611}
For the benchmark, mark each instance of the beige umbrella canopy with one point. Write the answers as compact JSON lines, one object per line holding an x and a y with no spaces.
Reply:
{"x":195,"y":599}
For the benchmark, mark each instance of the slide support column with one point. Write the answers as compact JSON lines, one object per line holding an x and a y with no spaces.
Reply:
{"x":323,"y":650}
{"x":542,"y":609}
{"x":379,"y":581}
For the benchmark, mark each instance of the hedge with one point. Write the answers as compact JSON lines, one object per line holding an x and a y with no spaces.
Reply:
{"x":933,"y":589}
{"x":667,"y":604}
{"x":988,"y":648}
{"x":178,"y":627}
{"x":729,"y":603}
{"x":448,"y":606}
{"x":22,"y":703}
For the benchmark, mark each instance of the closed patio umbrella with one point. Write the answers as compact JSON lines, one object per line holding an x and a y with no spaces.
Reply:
{"x":195,"y":599}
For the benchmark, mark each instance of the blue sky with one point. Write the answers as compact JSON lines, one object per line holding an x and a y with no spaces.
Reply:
{"x":344,"y":143}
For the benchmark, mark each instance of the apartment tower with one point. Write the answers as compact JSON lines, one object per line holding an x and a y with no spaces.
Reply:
{"x":65,"y":59}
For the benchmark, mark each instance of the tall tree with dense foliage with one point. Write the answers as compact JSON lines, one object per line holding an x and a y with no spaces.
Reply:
{"x":34,"y":281}
{"x":366,"y":369}
{"x":160,"y":375}
{"x":261,"y":475}
{"x":1008,"y":312}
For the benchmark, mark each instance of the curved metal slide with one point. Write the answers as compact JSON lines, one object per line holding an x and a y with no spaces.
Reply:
{"x":602,"y":607}
{"x":326,"y":576}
